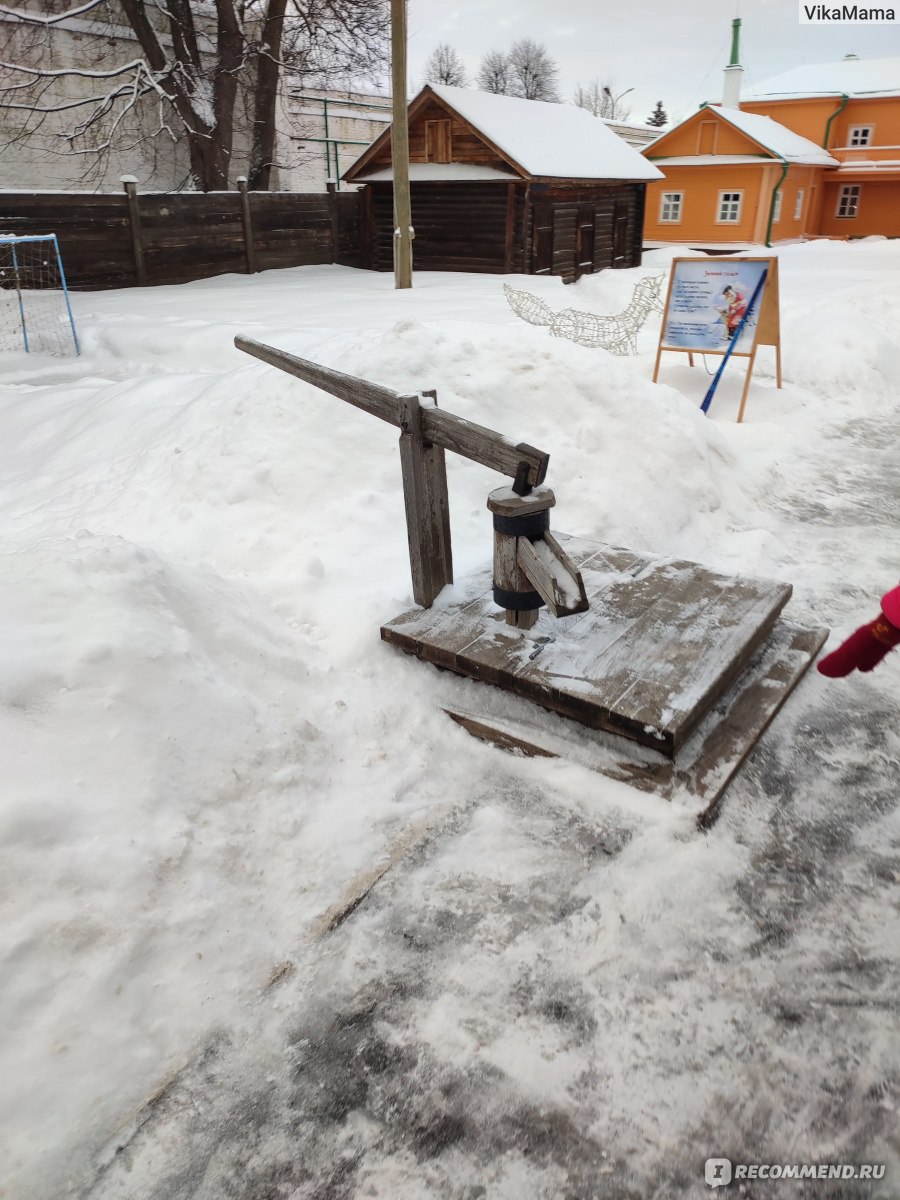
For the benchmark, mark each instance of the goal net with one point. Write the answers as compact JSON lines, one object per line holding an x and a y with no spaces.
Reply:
{"x":35,"y":313}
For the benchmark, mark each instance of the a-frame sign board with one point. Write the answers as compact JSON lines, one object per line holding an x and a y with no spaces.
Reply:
{"x":704,"y":304}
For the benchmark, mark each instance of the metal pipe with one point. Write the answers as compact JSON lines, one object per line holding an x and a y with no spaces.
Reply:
{"x":845,"y":100}
{"x":346,"y":103}
{"x":784,"y":171}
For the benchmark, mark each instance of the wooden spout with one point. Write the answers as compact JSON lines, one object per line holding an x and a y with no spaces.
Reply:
{"x":553,"y":575}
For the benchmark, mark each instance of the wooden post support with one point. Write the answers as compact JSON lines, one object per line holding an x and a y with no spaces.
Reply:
{"x":427,"y":506}
{"x":134,"y":221}
{"x":247,"y":222}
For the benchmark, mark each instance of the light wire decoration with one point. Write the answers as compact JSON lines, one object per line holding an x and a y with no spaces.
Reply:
{"x":528,"y":307}
{"x":35,"y":311}
{"x":616,"y":333}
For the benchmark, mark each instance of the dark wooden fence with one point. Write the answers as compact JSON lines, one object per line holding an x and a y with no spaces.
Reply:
{"x":112,"y":240}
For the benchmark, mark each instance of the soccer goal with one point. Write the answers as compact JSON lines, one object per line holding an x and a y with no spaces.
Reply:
{"x":35,"y":313}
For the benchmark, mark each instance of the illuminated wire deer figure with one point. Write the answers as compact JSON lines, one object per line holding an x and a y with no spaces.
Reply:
{"x":617,"y":333}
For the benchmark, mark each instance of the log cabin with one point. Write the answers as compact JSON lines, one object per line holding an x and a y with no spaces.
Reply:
{"x":507,"y":186}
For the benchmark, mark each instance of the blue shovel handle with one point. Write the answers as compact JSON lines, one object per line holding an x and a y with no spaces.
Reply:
{"x":711,"y":390}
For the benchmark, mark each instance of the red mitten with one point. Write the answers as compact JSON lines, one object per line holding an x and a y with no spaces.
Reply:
{"x":863,"y":650}
{"x":890,"y":606}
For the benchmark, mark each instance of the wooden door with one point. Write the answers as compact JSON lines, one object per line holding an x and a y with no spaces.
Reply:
{"x":584,"y":242}
{"x":620,"y":255}
{"x":708,"y":137}
{"x":542,"y":250}
{"x":438,"y":142}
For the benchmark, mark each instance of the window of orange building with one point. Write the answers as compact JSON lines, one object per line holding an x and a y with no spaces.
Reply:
{"x":848,"y":200}
{"x":861,"y":135}
{"x":729,"y":207}
{"x":670,"y":204}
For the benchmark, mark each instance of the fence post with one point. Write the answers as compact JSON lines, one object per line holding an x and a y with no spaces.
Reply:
{"x":248,"y":224}
{"x":331,"y":188}
{"x":134,"y":221}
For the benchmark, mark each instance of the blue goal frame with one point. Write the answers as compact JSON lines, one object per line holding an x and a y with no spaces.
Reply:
{"x":12,"y":242}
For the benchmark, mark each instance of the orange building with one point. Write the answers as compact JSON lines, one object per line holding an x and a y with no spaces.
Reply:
{"x":814,"y":152}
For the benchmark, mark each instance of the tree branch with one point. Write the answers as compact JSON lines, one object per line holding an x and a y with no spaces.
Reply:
{"x":18,"y":14}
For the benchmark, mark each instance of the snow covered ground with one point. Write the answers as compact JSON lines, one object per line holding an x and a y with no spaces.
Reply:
{"x":563,"y":990}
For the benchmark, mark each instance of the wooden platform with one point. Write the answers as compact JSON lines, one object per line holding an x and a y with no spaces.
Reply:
{"x":685,"y":666}
{"x":662,"y":641}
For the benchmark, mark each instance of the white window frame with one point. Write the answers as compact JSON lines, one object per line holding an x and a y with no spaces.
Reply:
{"x":730,"y":220}
{"x":844,"y":195}
{"x":798,"y":204}
{"x":776,"y":211}
{"x":672,"y":200}
{"x":855,"y":131}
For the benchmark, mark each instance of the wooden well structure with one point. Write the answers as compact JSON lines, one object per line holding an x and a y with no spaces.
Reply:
{"x":506,"y":186}
{"x":670,"y":670}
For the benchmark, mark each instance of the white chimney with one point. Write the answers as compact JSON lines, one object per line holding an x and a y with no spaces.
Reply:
{"x":731,"y":88}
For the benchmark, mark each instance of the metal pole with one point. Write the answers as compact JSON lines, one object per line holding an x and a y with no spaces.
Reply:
{"x":15,"y":263}
{"x":65,"y":288}
{"x":403,"y":233}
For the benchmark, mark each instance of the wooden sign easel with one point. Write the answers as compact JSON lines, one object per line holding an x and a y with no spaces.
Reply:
{"x":766,"y":331}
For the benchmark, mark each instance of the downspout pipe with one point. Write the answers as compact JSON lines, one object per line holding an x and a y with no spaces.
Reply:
{"x":775,"y":190}
{"x":845,"y":100}
{"x":328,"y":144}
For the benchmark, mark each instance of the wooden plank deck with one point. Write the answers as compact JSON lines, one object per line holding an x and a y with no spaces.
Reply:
{"x":662,"y":642}
{"x":703,"y":768}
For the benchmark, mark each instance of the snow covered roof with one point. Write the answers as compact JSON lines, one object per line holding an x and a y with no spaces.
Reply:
{"x":424,"y":172}
{"x":634,"y":135}
{"x":849,"y":76}
{"x":776,"y":138}
{"x":550,"y":140}
{"x":556,"y":140}
{"x":710,"y":160}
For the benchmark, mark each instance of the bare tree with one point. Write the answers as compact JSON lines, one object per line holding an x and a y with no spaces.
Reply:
{"x":195,"y":69}
{"x":494,"y":73}
{"x":533,"y":73}
{"x":601,"y":100}
{"x":445,"y":66}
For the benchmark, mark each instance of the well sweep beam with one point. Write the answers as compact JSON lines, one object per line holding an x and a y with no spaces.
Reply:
{"x":522,"y":463}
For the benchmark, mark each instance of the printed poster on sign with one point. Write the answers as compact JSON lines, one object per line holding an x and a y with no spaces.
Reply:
{"x":708,"y":301}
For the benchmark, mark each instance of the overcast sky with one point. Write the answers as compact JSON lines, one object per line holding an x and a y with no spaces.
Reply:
{"x":669,"y":50}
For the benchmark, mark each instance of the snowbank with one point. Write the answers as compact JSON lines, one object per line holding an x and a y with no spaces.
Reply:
{"x":204,"y":739}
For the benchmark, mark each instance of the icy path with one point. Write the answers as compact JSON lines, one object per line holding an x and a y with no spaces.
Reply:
{"x":515,"y":1012}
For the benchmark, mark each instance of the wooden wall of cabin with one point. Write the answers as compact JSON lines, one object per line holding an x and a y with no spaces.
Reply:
{"x":462,"y":146}
{"x":502,"y":229}
{"x":574,"y":231}
{"x":459,"y":226}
